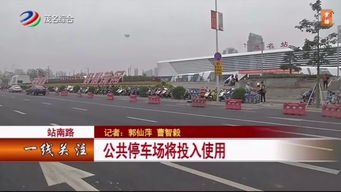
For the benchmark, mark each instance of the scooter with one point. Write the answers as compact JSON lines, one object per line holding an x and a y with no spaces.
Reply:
{"x":306,"y":95}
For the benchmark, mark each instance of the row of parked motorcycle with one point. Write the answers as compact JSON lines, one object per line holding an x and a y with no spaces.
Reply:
{"x":163,"y":92}
{"x":331,"y":98}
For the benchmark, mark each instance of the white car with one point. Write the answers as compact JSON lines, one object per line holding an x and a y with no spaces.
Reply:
{"x":15,"y":88}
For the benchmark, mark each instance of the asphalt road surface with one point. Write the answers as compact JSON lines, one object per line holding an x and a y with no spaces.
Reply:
{"x":20,"y":109}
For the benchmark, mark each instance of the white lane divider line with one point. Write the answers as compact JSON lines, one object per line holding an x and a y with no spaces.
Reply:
{"x":20,"y":112}
{"x":1,"y":105}
{"x":53,"y":124}
{"x":140,"y":119}
{"x":306,"y":134}
{"x":296,"y":133}
{"x":80,"y":109}
{"x":306,"y":120}
{"x":310,"y":146}
{"x":210,"y":177}
{"x":46,"y":103}
{"x":200,"y":115}
{"x":313,"y":167}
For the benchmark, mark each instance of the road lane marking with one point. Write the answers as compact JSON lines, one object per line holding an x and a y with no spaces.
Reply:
{"x":229,"y":124}
{"x":57,"y":173}
{"x":53,"y":124}
{"x":1,"y":105}
{"x":210,"y":177}
{"x":27,"y":100}
{"x":197,"y":115}
{"x":313,"y":167}
{"x":46,"y":103}
{"x":307,"y":120}
{"x":306,"y":134}
{"x":140,"y":119}
{"x":310,"y":146}
{"x":80,"y":109}
{"x":20,"y":112}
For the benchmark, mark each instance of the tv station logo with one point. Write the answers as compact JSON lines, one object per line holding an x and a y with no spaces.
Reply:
{"x":32,"y":18}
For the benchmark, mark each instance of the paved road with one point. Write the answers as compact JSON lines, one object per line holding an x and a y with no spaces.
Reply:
{"x":20,"y":109}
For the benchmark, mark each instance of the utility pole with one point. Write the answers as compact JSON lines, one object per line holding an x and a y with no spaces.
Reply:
{"x":318,"y":102}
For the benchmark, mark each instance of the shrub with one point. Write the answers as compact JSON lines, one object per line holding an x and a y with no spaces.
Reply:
{"x":114,"y":89}
{"x":91,"y":89}
{"x":76,"y":88}
{"x":62,"y":88}
{"x":143,"y":91}
{"x":239,"y":93}
{"x":178,"y":92}
{"x":50,"y":88}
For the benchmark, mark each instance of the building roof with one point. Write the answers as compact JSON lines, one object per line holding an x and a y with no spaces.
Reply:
{"x":230,"y":55}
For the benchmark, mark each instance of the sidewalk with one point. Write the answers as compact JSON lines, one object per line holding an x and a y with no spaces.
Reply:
{"x":269,"y":104}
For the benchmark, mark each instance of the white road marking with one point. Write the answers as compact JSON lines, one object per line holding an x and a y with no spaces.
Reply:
{"x":140,"y":119}
{"x":306,"y":134}
{"x":196,"y":115}
{"x":21,"y":113}
{"x":211,"y":177}
{"x":229,"y":124}
{"x":57,"y":173}
{"x":80,"y":109}
{"x":53,"y":124}
{"x":313,"y":167}
{"x":46,"y":103}
{"x":310,"y":146}
{"x":27,"y":100}
{"x":296,"y":133}
{"x":307,"y":120}
{"x":1,"y":105}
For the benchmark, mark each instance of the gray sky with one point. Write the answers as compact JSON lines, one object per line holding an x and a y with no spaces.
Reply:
{"x":159,"y":30}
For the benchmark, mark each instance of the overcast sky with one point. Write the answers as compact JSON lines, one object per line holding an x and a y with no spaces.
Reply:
{"x":159,"y":30}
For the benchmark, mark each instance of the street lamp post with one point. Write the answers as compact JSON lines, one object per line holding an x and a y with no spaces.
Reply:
{"x":262,"y":48}
{"x":318,"y":98}
{"x":338,"y":50}
{"x":216,"y":49}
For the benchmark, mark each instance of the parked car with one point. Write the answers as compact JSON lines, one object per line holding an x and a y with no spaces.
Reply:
{"x":36,"y":90}
{"x":15,"y":89}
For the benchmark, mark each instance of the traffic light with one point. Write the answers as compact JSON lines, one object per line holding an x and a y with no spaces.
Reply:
{"x":326,"y":17}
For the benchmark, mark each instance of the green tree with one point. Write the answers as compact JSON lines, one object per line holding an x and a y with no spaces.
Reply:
{"x":290,"y":58}
{"x":318,"y":49}
{"x":178,"y":92}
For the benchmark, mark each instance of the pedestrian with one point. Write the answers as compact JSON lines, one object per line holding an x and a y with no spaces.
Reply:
{"x":325,"y":81}
{"x":262,"y":92}
{"x":248,"y":88}
{"x":236,"y":77}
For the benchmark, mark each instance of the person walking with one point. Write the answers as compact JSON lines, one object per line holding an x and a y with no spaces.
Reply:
{"x":262,"y":92}
{"x":325,"y":79}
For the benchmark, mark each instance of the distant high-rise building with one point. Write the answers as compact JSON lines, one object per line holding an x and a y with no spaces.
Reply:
{"x":255,"y":42}
{"x":136,"y":72}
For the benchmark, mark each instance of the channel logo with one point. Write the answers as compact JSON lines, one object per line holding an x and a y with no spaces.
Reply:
{"x":31,"y":18}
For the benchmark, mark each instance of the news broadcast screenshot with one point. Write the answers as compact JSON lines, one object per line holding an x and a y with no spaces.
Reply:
{"x":170,"y":95}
